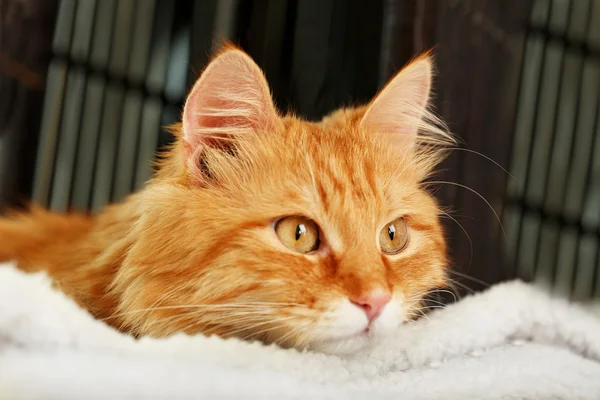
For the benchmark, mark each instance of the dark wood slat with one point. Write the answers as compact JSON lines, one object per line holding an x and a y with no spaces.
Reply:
{"x":82,"y":32}
{"x":161,"y":43}
{"x":57,"y":77}
{"x":122,"y":37}
{"x":109,"y":134}
{"x":88,"y":142}
{"x":201,"y":39}
{"x":583,"y":285}
{"x":127,"y":147}
{"x":141,"y":41}
{"x":176,"y":80}
{"x":68,"y":137}
{"x":102,"y":36}
{"x":148,"y":142}
{"x":65,"y":23}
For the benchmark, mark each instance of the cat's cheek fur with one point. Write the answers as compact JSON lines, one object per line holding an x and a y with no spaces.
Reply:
{"x":341,"y":329}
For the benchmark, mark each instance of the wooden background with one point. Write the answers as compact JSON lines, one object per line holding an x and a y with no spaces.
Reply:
{"x":318,"y":55}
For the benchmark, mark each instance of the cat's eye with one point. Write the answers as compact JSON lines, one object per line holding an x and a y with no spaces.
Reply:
{"x":298,"y":233}
{"x":393,"y":238}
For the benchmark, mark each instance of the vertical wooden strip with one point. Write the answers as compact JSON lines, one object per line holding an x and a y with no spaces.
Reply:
{"x":109,"y":139}
{"x":127,"y":147}
{"x":67,"y":147}
{"x":92,"y":117}
{"x":57,"y":78}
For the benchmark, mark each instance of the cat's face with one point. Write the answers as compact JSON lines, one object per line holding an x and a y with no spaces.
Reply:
{"x":265,"y":227}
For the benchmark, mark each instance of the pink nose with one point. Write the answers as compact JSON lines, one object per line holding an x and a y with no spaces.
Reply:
{"x":372,"y":303}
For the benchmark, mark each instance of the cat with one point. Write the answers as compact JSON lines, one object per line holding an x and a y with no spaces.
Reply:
{"x":259,"y":225}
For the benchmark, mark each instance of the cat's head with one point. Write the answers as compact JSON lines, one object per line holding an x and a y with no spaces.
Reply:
{"x":264,"y":226}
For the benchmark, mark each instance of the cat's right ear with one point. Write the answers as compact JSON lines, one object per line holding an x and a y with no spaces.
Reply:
{"x":230,"y":98}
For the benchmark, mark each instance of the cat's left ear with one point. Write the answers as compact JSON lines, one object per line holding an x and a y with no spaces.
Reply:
{"x":400,"y":107}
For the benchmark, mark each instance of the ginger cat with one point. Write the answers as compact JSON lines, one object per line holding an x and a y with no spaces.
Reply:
{"x":259,"y":225}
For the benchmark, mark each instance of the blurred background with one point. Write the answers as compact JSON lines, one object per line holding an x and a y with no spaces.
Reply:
{"x":86,"y":87}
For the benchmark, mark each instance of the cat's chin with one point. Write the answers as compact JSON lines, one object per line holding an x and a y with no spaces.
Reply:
{"x":362,"y":335}
{"x":343,"y":346}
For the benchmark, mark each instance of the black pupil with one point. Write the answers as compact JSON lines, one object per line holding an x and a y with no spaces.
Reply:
{"x":392,"y":232}
{"x":300,"y":230}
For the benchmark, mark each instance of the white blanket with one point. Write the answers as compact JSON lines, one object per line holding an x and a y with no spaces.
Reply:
{"x":512,"y":341}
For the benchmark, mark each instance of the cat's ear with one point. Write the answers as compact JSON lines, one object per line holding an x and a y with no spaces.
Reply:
{"x":230,"y":97}
{"x":400,"y":107}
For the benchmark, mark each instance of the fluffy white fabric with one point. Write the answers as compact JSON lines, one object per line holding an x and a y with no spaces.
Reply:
{"x":512,"y":341}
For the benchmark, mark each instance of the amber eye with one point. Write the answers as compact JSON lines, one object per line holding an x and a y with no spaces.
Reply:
{"x":393,"y":238}
{"x":298,"y":233}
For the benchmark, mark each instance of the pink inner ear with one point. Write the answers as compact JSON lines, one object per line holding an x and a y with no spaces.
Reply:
{"x":400,"y":106}
{"x":230,"y":98}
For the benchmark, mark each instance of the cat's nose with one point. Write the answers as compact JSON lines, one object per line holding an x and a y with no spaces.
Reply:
{"x":372,"y":303}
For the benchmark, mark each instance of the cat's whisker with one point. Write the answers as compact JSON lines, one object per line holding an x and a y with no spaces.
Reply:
{"x":204,"y":306}
{"x":224,"y":314}
{"x":434,"y":306}
{"x":256,"y":334}
{"x":437,"y":302}
{"x":280,"y":321}
{"x":215,"y":327}
{"x":299,"y":332}
{"x":158,"y":301}
{"x":400,"y":164}
{"x":422,"y":314}
{"x":415,"y":299}
{"x":461,"y":285}
{"x":460,"y":274}
{"x":232,"y":319}
{"x":480,"y":196}
{"x":228,"y":314}
{"x":396,"y":175}
{"x":171,"y":319}
{"x":454,"y":295}
{"x":465,"y":231}
{"x":409,"y":312}
{"x":415,"y":316}
{"x":469,"y":277}
{"x":482,"y":155}
{"x":453,"y":287}
{"x":429,"y":308}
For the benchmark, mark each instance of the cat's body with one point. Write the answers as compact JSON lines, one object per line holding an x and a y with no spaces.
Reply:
{"x":260,"y":226}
